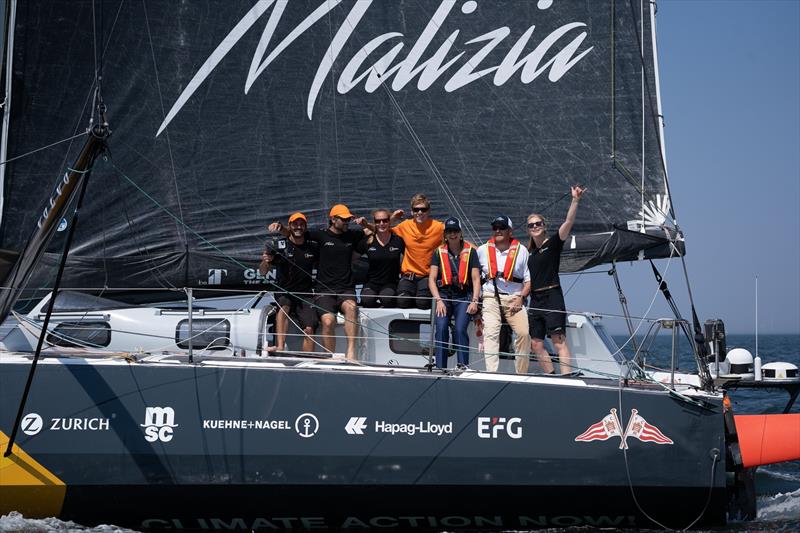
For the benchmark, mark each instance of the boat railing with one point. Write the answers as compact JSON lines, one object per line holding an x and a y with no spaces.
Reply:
{"x":208,"y":314}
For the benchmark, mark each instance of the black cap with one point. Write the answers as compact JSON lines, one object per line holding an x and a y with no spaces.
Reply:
{"x":452,"y":224}
{"x":503,"y":221}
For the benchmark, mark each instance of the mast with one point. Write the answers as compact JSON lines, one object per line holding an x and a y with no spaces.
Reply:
{"x":9,"y":18}
{"x":66,"y":189}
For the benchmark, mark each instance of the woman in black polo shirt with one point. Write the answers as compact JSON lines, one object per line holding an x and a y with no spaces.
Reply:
{"x":547,"y":311}
{"x":384,"y":251}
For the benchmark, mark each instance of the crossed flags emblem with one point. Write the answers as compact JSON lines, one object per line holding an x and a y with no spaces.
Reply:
{"x":637,"y":428}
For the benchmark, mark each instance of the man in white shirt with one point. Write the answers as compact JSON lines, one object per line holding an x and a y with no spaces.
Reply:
{"x":504,"y":263}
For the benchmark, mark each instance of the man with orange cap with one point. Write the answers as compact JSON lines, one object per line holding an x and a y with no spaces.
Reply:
{"x":334,"y":287}
{"x":295,"y":263}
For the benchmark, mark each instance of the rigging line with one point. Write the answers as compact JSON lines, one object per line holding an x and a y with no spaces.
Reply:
{"x":653,"y":110}
{"x":154,"y":270}
{"x":233,"y":221}
{"x":492,"y":89}
{"x":81,"y":134}
{"x":335,"y":118}
{"x":163,"y":114}
{"x":441,"y":181}
{"x":641,"y":51}
{"x":426,"y":156}
{"x":203,"y":239}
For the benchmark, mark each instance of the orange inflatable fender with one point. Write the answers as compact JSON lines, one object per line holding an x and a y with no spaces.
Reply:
{"x":767,"y":439}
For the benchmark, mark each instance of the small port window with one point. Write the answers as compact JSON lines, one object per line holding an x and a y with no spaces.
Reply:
{"x":410,"y":337}
{"x":208,"y":334}
{"x":87,"y":334}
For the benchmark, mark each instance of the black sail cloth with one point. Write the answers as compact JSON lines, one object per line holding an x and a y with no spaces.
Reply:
{"x":229,"y":114}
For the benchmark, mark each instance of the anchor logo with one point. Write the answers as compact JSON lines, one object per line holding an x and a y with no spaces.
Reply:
{"x":306,"y":425}
{"x":637,"y":427}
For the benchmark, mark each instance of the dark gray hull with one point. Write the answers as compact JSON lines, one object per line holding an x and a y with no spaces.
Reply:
{"x":167,"y":445}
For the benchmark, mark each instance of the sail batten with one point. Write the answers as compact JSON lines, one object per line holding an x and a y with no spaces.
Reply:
{"x":232,"y":114}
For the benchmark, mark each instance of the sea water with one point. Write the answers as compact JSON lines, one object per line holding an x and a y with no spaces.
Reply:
{"x":778,"y":486}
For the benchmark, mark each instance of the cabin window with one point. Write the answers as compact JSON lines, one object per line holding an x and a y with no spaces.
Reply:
{"x":81,"y":334}
{"x":208,"y":334}
{"x":410,"y":336}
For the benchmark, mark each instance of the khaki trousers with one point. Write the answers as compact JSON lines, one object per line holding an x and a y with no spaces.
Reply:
{"x":491,"y":331}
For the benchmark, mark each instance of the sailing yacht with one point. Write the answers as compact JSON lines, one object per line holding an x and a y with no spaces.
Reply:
{"x":138,"y":384}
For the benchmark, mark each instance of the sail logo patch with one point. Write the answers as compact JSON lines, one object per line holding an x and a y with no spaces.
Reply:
{"x":159,"y":423}
{"x":215,"y":275}
{"x":637,"y":428}
{"x":495,"y":427}
{"x":31,"y":424}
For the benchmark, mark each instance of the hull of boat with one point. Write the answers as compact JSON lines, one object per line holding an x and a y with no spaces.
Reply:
{"x":254,"y":446}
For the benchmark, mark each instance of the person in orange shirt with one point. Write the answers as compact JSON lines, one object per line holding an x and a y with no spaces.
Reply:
{"x":421,"y":235}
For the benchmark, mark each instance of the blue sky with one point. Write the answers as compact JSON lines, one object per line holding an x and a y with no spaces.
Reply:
{"x":730,"y":87}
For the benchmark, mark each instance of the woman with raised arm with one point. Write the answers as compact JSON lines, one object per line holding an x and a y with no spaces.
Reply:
{"x":384,"y":251}
{"x":547,"y":311}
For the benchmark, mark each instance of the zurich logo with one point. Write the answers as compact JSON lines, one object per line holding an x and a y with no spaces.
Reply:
{"x":31,"y":424}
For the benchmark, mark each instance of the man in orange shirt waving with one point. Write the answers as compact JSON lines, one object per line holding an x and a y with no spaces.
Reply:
{"x":421,"y":235}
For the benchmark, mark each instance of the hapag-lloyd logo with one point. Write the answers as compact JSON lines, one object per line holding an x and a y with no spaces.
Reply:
{"x":462,"y":58}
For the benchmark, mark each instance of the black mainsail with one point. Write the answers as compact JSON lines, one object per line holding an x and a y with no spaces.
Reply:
{"x":229,"y":114}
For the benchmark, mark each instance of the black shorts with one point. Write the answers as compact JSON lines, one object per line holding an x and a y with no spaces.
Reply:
{"x":331,"y":303}
{"x":300,"y":308}
{"x":546,"y":314}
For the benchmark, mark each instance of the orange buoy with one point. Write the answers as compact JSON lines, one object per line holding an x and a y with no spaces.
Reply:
{"x":767,"y":439}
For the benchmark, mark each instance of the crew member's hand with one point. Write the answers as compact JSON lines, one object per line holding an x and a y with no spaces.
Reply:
{"x":275,"y":227}
{"x":577,"y":192}
{"x":266,"y":257}
{"x":515,"y":304}
{"x":472,"y":308}
{"x":360,"y":221}
{"x":398,"y":214}
{"x":441,"y":310}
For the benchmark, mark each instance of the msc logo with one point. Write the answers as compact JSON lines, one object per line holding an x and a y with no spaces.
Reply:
{"x":494,"y":427}
{"x":158,"y":424}
{"x":31,"y":424}
{"x":215,"y":275}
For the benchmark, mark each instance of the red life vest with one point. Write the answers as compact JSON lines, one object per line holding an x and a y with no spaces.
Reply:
{"x":446,"y":269}
{"x":511,"y":259}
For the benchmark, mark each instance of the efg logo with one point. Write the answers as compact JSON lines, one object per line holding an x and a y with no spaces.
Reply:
{"x":495,"y":427}
{"x":158,"y":424}
{"x":31,"y":424}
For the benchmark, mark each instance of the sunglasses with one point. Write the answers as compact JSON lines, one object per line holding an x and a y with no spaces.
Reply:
{"x":345,"y":219}
{"x":537,"y":224}
{"x":381,"y":220}
{"x":420,"y":209}
{"x":499,"y":228}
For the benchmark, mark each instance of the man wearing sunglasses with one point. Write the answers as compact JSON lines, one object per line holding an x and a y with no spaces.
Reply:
{"x":421,"y":235}
{"x":504,"y":263}
{"x":547,"y":309}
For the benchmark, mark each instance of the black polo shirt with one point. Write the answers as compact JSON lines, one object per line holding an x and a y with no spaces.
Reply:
{"x":384,"y":261}
{"x":296,"y":264}
{"x":335,"y":271}
{"x":544,"y":262}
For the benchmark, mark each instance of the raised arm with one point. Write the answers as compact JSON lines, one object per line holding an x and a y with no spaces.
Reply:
{"x":566,"y":227}
{"x":277,"y":227}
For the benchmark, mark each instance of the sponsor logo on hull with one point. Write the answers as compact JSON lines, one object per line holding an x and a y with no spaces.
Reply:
{"x":357,"y":425}
{"x":637,"y":428}
{"x":159,"y":423}
{"x":306,"y":425}
{"x":496,"y":427}
{"x":32,"y":424}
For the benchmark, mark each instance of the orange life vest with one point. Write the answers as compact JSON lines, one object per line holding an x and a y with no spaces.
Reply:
{"x":511,"y":260}
{"x":446,"y":269}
